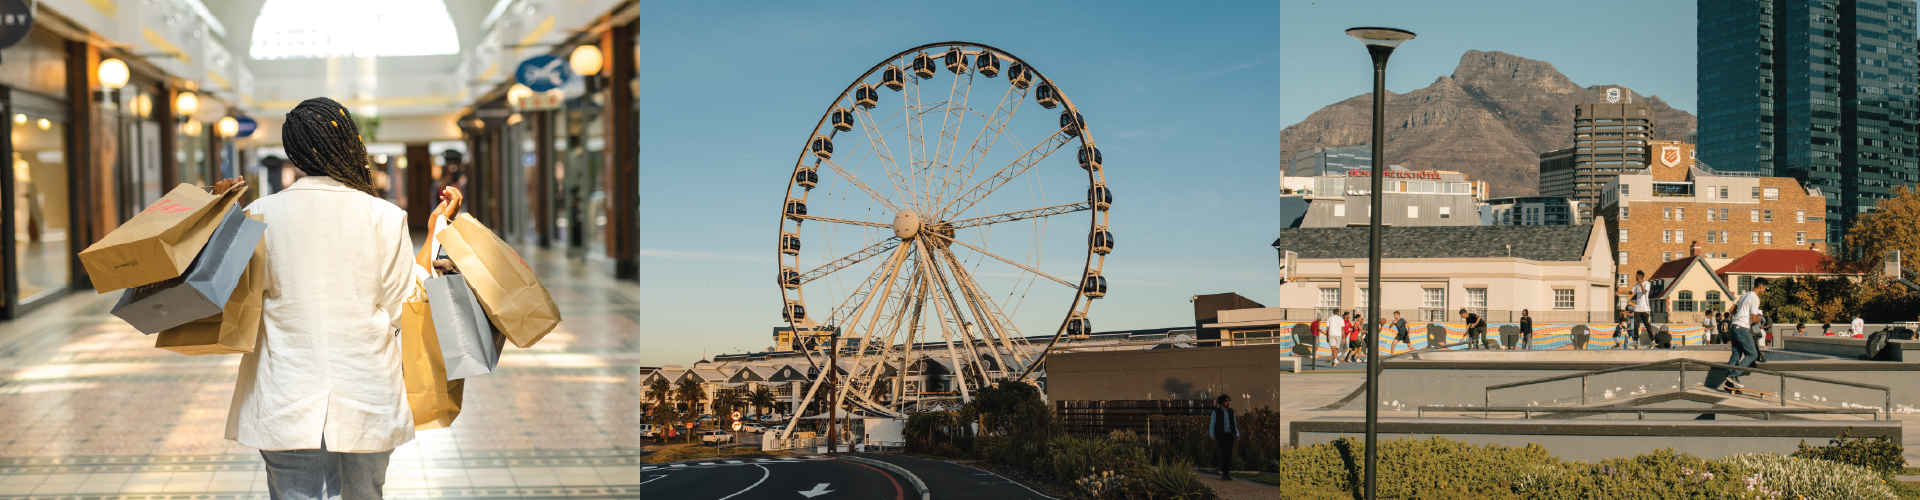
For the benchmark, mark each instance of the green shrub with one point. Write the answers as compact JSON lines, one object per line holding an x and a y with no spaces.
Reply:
{"x":1811,"y":479}
{"x":1313,"y":492}
{"x":1181,"y":437}
{"x":1173,"y":480}
{"x":941,"y":433}
{"x":1412,"y":468}
{"x":1881,"y":455}
{"x":1660,"y":475}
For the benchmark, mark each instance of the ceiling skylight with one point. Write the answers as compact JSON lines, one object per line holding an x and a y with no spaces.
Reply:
{"x":299,"y":29}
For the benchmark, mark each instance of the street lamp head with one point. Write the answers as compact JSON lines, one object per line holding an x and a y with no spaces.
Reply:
{"x":1387,"y":37}
{"x":113,"y":74}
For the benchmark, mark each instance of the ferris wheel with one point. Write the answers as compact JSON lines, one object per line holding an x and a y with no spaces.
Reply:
{"x":934,"y":230}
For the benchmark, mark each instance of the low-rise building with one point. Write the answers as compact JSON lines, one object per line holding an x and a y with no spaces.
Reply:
{"x":1653,"y":216}
{"x":1535,"y":211}
{"x":1772,"y":264}
{"x":1561,"y":274}
{"x":1686,"y":290}
{"x":1414,"y":198}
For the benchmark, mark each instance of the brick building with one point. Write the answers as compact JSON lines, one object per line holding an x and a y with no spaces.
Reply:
{"x":1653,"y":216}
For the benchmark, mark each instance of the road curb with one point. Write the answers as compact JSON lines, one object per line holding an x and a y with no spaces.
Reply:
{"x":902,"y":471}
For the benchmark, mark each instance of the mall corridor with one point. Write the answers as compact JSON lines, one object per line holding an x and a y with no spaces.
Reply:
{"x":90,"y":409}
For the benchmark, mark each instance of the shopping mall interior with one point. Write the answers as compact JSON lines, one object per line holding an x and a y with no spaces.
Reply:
{"x":111,"y":104}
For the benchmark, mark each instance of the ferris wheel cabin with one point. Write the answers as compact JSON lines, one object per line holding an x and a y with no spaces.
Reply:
{"x":957,"y":62}
{"x":1046,"y":95}
{"x":1018,"y":75}
{"x":865,"y":96}
{"x":821,"y":146}
{"x":795,"y":209}
{"x":789,"y":243}
{"x":1072,"y":122}
{"x":1079,"y":327}
{"x":893,"y":78}
{"x":1089,"y":157}
{"x":1101,"y":240}
{"x":1094,"y":287}
{"x":794,"y":311}
{"x":842,"y":120}
{"x":923,"y":66}
{"x":807,"y":177}
{"x":987,"y":63}
{"x":1098,"y":195}
{"x":789,"y":278}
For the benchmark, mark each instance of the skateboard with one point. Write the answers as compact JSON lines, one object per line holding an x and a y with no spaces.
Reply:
{"x":1756,"y":394}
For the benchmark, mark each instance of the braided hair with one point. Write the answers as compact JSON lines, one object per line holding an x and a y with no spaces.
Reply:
{"x":322,"y":140}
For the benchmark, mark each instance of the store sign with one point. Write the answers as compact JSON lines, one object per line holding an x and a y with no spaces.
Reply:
{"x":1423,"y":174}
{"x":247,"y":126}
{"x":16,"y":20}
{"x":1613,"y":95}
{"x":543,"y":73}
{"x":1670,"y":155}
{"x":541,"y":101}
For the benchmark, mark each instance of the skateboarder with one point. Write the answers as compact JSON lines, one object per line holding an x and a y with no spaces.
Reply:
{"x":1746,"y":314}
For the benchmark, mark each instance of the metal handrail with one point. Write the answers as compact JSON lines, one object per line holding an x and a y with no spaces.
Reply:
{"x":1529,"y":410}
{"x":1682,"y":364}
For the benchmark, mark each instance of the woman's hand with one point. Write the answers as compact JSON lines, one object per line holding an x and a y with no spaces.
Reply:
{"x":449,"y":202}
{"x":446,"y":266}
{"x":226,"y":184}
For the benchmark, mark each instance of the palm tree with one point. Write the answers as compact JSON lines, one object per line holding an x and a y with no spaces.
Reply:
{"x":726,"y":400}
{"x":761,"y":399}
{"x":690,"y":392}
{"x":660,"y":389}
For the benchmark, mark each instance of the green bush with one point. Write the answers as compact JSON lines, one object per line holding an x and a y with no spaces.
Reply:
{"x":1181,"y":437}
{"x":1173,"y":480}
{"x":1811,"y":479}
{"x":1412,"y":468}
{"x":1660,"y":475}
{"x":941,"y":433}
{"x":1881,"y":455}
{"x":1259,"y":442}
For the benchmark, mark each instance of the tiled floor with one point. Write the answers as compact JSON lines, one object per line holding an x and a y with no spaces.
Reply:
{"x":90,"y":410}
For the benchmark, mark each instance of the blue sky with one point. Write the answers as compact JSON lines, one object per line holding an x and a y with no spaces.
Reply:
{"x":1183,"y":98}
{"x":1647,"y":45}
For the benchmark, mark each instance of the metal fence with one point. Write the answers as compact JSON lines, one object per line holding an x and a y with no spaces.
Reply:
{"x":1452,"y":315}
{"x":1103,"y":416}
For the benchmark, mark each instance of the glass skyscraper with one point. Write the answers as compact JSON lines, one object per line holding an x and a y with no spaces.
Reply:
{"x":1818,"y":90}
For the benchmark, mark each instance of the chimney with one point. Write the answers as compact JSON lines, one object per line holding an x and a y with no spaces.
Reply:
{"x":1696,"y":249}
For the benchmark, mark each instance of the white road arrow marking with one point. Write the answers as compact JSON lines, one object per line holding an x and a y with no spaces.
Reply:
{"x":818,"y":489}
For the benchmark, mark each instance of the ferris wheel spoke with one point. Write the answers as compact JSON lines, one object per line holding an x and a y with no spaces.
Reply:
{"x":954,"y":314}
{"x":855,"y":258}
{"x":1013,"y":170}
{"x":986,"y":310}
{"x":997,"y":123}
{"x":1009,"y":261}
{"x":876,"y":139}
{"x":843,"y":221}
{"x":955,"y":111}
{"x":862,"y":185}
{"x":1023,"y":214}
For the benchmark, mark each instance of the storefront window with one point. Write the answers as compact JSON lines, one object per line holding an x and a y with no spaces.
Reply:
{"x":191,"y":153}
{"x":40,"y":204}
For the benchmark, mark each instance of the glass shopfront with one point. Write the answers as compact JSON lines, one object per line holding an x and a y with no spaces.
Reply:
{"x":39,"y":196}
{"x":190,"y":152}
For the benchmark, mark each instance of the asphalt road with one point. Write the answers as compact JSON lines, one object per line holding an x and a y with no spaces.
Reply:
{"x":782,"y":479}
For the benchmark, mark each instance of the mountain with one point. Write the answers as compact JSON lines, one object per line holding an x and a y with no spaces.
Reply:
{"x":1490,"y":119}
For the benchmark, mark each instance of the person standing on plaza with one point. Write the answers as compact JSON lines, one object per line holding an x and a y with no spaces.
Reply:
{"x":1222,"y":427}
{"x":1476,"y":329}
{"x":1336,"y":337}
{"x":1400,"y":333}
{"x":322,"y":397}
{"x":1642,"y":310}
{"x":1746,"y":314}
{"x":1800,"y":329}
{"x":1315,"y":332}
{"x":1621,"y":330}
{"x":1859,"y":327}
{"x":1356,"y":328}
{"x":1526,"y":331}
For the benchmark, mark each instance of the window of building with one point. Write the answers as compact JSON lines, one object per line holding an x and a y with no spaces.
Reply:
{"x":1684,"y":303}
{"x":290,"y":29}
{"x":1666,"y":213}
{"x":1477,"y":300}
{"x":1623,"y":259}
{"x":1435,"y":304}
{"x":1773,"y":193}
{"x":1753,"y":215}
{"x":1329,"y":297}
{"x":1800,"y":238}
{"x":1766,"y":238}
{"x":1799,"y":216}
{"x":1723,"y":192}
{"x":1746,"y":284}
{"x":1766,"y":215}
{"x":1756,"y":237}
{"x":1679,"y":236}
{"x":1623,"y":213}
{"x":1623,"y":236}
{"x":1446,"y":212}
{"x":1723,"y":215}
{"x":1713,"y":301}
{"x":1679,"y":214}
{"x":1713,"y":236}
{"x":1666,"y":256}
{"x":1413,"y":212}
{"x":1712,"y":215}
{"x":1756,"y":191}
{"x":1563,"y":298}
{"x":1725,"y":237}
{"x":1620,"y":279}
{"x":1365,"y":295}
{"x":1709,"y":191}
{"x":1666,"y":236}
{"x":1623,"y":190}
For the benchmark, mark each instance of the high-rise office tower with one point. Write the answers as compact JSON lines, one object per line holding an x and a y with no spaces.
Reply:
{"x":1609,"y":138}
{"x":1819,"y":90}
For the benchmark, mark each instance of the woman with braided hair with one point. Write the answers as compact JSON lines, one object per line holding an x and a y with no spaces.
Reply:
{"x":322,"y":397}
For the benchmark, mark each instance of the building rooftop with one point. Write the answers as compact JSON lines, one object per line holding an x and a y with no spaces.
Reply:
{"x":1778,"y":261}
{"x":1539,"y":243}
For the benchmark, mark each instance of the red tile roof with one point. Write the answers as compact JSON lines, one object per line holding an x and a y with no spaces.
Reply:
{"x":1673,"y":268}
{"x":1777,"y":261}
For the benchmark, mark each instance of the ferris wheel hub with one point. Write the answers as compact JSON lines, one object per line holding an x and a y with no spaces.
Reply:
{"x":906,"y":224}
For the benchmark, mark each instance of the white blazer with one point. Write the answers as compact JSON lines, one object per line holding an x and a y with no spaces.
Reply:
{"x":328,"y":366}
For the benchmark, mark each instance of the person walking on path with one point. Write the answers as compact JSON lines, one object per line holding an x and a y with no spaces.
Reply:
{"x":1222,"y":427}
{"x":1709,"y":328}
{"x":1526,"y":331}
{"x":322,"y":397}
{"x":1355,"y":327}
{"x":1400,"y":333}
{"x":1859,"y":327}
{"x":1746,"y":313}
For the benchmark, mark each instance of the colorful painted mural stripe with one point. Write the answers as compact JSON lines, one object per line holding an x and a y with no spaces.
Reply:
{"x":1602,"y":336}
{"x":1688,"y":335}
{"x":1552,"y":337}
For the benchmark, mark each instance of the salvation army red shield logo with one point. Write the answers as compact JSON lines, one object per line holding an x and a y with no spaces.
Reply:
{"x":1670,"y":155}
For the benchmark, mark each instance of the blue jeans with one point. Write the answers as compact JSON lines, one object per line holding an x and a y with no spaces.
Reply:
{"x":325,"y":475}
{"x":1744,"y":351}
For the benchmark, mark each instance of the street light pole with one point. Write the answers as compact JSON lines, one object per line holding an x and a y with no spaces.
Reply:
{"x":1380,"y":44}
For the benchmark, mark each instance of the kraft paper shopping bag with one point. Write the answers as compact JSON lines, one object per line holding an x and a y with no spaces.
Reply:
{"x":434,"y":399}
{"x":509,"y":292}
{"x":160,"y":242}
{"x":237,"y":328}
{"x":204,"y":289}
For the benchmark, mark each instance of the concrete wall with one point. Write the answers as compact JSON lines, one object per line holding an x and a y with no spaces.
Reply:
{"x":1590,"y":441}
{"x":1511,"y":284}
{"x":1250,"y":374}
